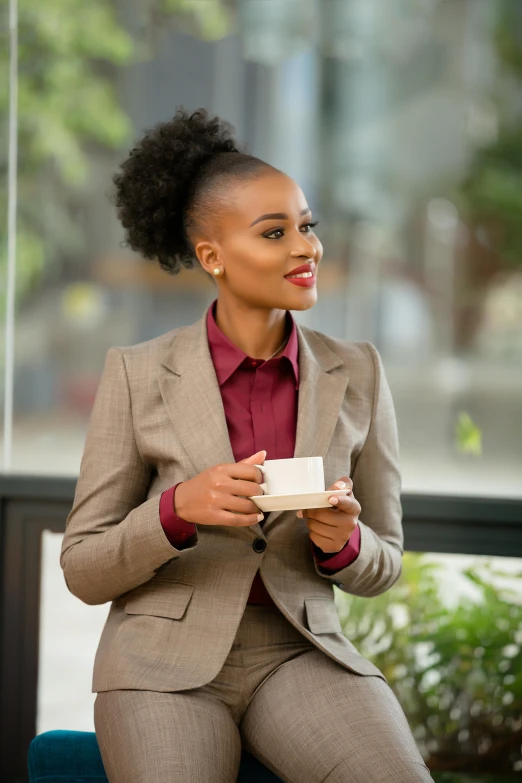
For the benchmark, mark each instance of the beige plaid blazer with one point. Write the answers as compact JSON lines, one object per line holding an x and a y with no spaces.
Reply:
{"x":158,"y":419}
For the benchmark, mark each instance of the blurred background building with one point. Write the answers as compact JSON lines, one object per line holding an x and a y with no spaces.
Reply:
{"x":402,"y":122}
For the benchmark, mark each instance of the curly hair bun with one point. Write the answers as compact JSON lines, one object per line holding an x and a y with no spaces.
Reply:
{"x":159,"y":184}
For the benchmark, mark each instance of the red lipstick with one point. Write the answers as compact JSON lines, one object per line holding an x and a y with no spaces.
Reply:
{"x":303,"y":282}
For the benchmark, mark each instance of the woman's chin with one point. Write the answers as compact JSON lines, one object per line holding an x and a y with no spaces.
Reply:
{"x":304,"y":301}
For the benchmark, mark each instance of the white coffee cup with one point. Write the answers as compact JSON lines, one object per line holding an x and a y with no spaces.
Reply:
{"x":294,"y":476}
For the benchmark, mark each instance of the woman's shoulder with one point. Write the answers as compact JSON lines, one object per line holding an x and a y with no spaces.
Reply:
{"x":151,"y":347}
{"x":144,"y":357}
{"x":349,"y":351}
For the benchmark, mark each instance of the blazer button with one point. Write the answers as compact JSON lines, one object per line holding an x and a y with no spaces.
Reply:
{"x":259,"y":545}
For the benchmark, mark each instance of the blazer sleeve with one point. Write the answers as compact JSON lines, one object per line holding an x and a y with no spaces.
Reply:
{"x":377,"y":486}
{"x":114,"y":540}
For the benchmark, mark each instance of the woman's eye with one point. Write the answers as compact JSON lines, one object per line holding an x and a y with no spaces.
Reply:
{"x":271,"y":234}
{"x":277,"y":233}
{"x":308,"y":227}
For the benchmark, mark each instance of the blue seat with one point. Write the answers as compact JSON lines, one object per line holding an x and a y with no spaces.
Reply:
{"x":74,"y":757}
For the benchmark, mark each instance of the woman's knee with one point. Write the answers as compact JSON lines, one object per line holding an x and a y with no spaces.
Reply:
{"x":396,"y":769}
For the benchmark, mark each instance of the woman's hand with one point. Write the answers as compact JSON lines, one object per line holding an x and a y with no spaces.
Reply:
{"x":331,"y":528}
{"x":219,"y":495}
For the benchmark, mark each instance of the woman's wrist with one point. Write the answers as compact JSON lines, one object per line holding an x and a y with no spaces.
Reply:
{"x":177,"y":501}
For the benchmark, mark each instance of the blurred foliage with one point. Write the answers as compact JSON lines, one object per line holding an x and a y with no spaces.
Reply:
{"x":468,"y":435}
{"x":67,"y":108}
{"x":491,"y":195}
{"x":508,"y":35}
{"x":456,"y":669}
{"x":209,"y":19}
{"x":68,"y":112}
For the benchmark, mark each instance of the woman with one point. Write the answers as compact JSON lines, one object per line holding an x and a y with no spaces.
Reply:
{"x":223,"y":630}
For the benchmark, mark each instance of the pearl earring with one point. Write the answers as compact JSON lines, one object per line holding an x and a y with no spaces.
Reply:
{"x":217,"y":271}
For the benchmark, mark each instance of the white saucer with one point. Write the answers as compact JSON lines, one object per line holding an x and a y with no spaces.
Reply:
{"x":297,"y":502}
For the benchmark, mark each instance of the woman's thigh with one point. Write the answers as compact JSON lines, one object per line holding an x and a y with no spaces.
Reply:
{"x":149,"y":737}
{"x":315,"y":721}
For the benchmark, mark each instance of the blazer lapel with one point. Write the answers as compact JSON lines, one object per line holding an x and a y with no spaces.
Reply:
{"x":190,"y":391}
{"x":321,"y":394}
{"x":191,"y":394}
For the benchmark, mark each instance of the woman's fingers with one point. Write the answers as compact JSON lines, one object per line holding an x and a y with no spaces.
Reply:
{"x":227,"y":485}
{"x":343,"y":503}
{"x":347,"y":504}
{"x":238,"y":505}
{"x":344,"y":482}
{"x":317,"y":527}
{"x":244,"y":489}
{"x":243,"y":471}
{"x":239,"y":520}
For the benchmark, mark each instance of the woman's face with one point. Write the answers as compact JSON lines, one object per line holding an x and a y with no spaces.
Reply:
{"x":260,"y":237}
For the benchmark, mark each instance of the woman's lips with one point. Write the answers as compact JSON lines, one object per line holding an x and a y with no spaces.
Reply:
{"x":303,"y":282}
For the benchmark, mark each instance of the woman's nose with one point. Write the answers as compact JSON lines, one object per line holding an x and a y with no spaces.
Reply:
{"x":304,"y":249}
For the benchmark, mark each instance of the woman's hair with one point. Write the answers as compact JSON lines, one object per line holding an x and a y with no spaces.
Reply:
{"x":173,"y":179}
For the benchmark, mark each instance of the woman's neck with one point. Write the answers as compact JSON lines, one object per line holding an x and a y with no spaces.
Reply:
{"x":257,"y":332}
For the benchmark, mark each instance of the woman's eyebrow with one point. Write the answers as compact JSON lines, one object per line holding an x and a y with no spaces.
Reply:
{"x":277,"y":216}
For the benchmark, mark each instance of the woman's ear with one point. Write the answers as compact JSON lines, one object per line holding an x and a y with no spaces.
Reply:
{"x":208,"y":256}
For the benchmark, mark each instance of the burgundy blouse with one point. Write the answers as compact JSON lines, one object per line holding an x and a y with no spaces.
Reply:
{"x":260,"y":401}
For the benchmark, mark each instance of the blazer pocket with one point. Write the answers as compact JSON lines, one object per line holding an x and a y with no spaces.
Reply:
{"x":163,"y":599}
{"x":321,"y":616}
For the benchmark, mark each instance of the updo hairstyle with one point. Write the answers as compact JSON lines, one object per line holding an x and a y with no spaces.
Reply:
{"x":173,"y":180}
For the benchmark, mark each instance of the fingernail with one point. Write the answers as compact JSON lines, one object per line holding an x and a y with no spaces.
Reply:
{"x":260,"y":517}
{"x":340,"y":484}
{"x":300,"y":514}
{"x":333,"y":500}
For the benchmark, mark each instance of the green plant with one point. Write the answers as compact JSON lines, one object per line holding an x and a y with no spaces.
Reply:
{"x":456,"y":670}
{"x":491,"y":194}
{"x":69,"y":112}
{"x":67,"y":108}
{"x":468,"y":435}
{"x":208,"y":19}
